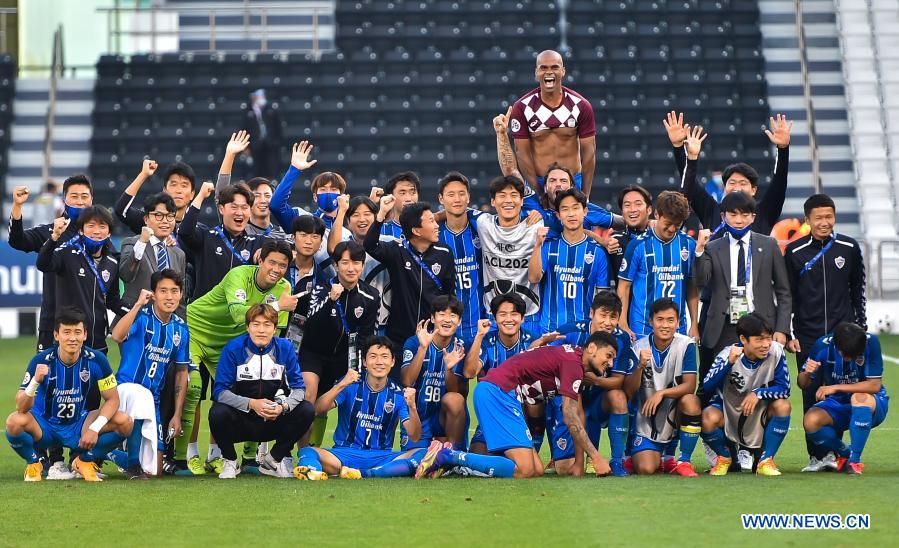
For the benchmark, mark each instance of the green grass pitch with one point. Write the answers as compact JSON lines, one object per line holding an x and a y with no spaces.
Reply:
{"x":453,"y":511}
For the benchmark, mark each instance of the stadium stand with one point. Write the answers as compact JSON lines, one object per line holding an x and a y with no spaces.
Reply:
{"x":7,"y":92}
{"x":400,"y":92}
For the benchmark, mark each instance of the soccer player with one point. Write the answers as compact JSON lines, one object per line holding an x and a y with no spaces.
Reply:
{"x":85,"y":271}
{"x":527,"y":377}
{"x":664,"y":382}
{"x":659,"y":265}
{"x":428,"y":360}
{"x":253,"y":367}
{"x":570,"y":268}
{"x":553,"y":123}
{"x":52,"y":402}
{"x":180,"y":184}
{"x":154,"y":340}
{"x":635,"y":203}
{"x":218,"y":317}
{"x":461,"y":237}
{"x":751,"y":403}
{"x":369,"y":408}
{"x":848,"y":365}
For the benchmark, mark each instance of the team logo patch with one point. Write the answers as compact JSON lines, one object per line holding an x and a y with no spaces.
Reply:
{"x":408,"y":265}
{"x":218,"y":251}
{"x":358,"y":311}
{"x":245,"y":254}
{"x":576,"y":386}
{"x":515,"y":125}
{"x":240,"y":295}
{"x":684,"y":254}
{"x":638,"y":441}
{"x":269,"y":299}
{"x":81,"y":272}
{"x":435,"y":268}
{"x":105,"y":275}
{"x":571,"y":122}
{"x":562,"y":443}
{"x":840,"y":262}
{"x":408,"y":355}
{"x":176,"y":339}
{"x":623,"y":265}
{"x":27,"y":378}
{"x":588,"y":258}
{"x":860,"y":361}
{"x":388,"y":406}
{"x":84,"y":375}
{"x":737,"y":380}
{"x":274,"y":372}
{"x":476,"y":242}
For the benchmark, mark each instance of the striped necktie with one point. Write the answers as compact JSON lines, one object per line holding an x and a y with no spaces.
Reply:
{"x":162,"y":257}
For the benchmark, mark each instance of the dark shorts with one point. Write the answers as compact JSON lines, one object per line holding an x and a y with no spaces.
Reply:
{"x":329,"y":369}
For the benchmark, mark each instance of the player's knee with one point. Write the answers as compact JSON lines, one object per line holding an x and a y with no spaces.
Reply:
{"x":780,"y":408}
{"x":617,"y":401}
{"x":859,"y":399}
{"x":303,"y":413}
{"x":711,"y":419}
{"x":812,"y":422}
{"x":453,"y":403}
{"x":645,"y":468}
{"x":15,"y":423}
{"x":689,"y":404}
{"x":122,"y":423}
{"x":218,"y":415}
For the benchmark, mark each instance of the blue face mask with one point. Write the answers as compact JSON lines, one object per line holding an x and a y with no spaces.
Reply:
{"x":91,"y":245}
{"x":718,"y":180}
{"x":327,"y":201}
{"x":73,"y":212}
{"x":738,"y":232}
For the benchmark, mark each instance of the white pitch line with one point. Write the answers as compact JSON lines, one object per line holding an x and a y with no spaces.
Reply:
{"x":890,"y":359}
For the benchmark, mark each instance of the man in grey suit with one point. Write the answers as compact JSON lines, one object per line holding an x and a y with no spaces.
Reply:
{"x":744,"y":272}
{"x":152,"y":250}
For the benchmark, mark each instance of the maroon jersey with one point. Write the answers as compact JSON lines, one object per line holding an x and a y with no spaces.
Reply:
{"x":530,"y":115}
{"x":541,"y":373}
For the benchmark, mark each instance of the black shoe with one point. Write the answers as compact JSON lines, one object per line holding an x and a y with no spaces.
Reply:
{"x":171,"y":466}
{"x":135,"y":472}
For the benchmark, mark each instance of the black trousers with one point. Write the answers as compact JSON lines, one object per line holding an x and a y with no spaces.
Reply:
{"x":229,"y":426}
{"x":808,"y":393}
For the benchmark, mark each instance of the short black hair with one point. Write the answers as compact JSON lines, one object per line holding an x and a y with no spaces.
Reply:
{"x":452,"y":177}
{"x":850,"y":339}
{"x":408,"y":176}
{"x":357,"y":252}
{"x":447,"y":302}
{"x":77,"y":179}
{"x":411,"y":217}
{"x":743,"y":169}
{"x":818,"y":200}
{"x":360,"y":201}
{"x":95,"y":213}
{"x":379,"y":340}
{"x":226,"y":196}
{"x":256,"y":182}
{"x":738,"y":202}
{"x":275,"y":246}
{"x":663,"y":304}
{"x":499,"y":184}
{"x":183,"y":169}
{"x":753,"y":325}
{"x":68,"y":315}
{"x":310,"y":224}
{"x":166,"y":273}
{"x":514,"y":298}
{"x":601,"y":339}
{"x":608,"y":300}
{"x":153,"y":200}
{"x":647,"y":196}
{"x":570,"y":193}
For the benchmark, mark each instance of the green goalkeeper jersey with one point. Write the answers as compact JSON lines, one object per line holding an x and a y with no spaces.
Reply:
{"x":219,"y":315}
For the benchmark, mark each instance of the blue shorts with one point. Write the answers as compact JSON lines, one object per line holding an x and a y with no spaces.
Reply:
{"x":430,"y":429}
{"x":160,"y":431}
{"x":501,"y":418}
{"x":66,"y":436}
{"x":561,"y":444}
{"x":841,"y":413}
{"x":363,"y":459}
{"x":478,"y":436}
{"x":578,"y":180}
{"x":646,"y":444}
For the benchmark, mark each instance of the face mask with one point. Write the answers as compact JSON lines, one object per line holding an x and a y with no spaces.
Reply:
{"x":738,"y":232}
{"x":73,"y":212}
{"x":261,"y":102}
{"x":327,"y":201}
{"x":718,"y":180}
{"x":91,"y":245}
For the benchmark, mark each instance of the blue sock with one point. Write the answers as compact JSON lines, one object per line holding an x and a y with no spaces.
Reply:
{"x":308,"y":456}
{"x":106,"y":442}
{"x":859,"y":430}
{"x":689,"y":435}
{"x":715,"y":440}
{"x":827,"y":439}
{"x":133,"y":445}
{"x":493,"y":466}
{"x":399,"y":468}
{"x":775,"y":432}
{"x":617,"y":434}
{"x":120,"y":458}
{"x":23,"y":444}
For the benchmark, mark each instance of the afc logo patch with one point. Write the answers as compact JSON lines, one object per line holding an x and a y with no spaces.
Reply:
{"x":515,"y":125}
{"x":27,"y":378}
{"x":737,"y":380}
{"x":623,"y":267}
{"x":407,"y":355}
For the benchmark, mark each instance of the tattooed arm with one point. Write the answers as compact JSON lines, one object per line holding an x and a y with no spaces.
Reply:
{"x":506,"y":156}
{"x":572,"y":418}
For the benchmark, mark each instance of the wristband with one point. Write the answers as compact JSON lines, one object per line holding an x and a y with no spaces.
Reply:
{"x":98,"y":424}
{"x":276,"y":305}
{"x":31,"y":389}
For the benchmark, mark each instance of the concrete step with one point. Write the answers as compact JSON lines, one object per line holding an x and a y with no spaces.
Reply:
{"x":28,"y":158}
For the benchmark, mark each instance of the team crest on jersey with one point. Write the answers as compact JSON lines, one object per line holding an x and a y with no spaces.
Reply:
{"x":476,"y":242}
{"x":737,"y":380}
{"x":840,"y":262}
{"x":176,"y":339}
{"x":269,"y":299}
{"x":588,"y":258}
{"x":684,"y":254}
{"x":388,"y":406}
{"x":240,"y":295}
{"x":84,"y":375}
{"x":623,"y":265}
{"x":515,"y":125}
{"x":245,"y":254}
{"x":562,"y":443}
{"x":435,"y":268}
{"x":860,"y":361}
{"x":358,"y":311}
{"x":27,"y":378}
{"x":408,"y":355}
{"x":105,"y":275}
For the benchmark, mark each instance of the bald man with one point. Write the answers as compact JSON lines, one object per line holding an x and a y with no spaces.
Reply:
{"x":554,"y":125}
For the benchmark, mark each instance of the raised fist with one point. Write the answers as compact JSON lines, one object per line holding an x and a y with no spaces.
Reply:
{"x":148,"y":168}
{"x":20,"y":195}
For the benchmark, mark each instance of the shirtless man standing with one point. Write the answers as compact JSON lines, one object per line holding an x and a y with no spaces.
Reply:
{"x":553,"y":124}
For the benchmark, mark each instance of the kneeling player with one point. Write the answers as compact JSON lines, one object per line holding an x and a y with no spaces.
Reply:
{"x":852,"y":396}
{"x":368,"y":414}
{"x":50,"y":404}
{"x":750,"y":384}
{"x":664,"y":382}
{"x":529,"y":377}
{"x":252,"y":368}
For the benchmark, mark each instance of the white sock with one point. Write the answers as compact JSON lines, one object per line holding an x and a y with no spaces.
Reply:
{"x":193,"y":450}
{"x":214,"y":451}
